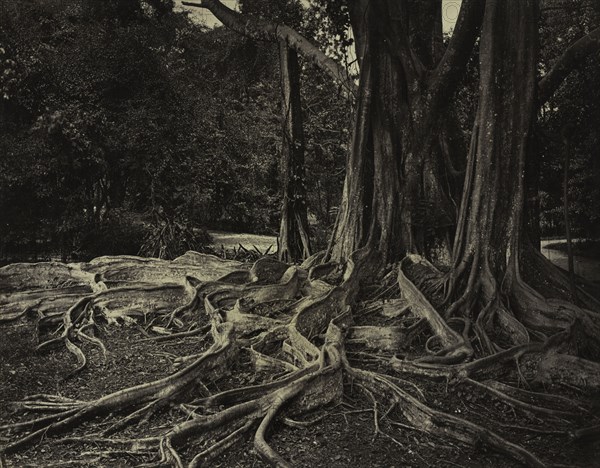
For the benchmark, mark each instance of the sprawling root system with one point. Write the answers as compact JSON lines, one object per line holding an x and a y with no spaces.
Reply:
{"x":308,"y":332}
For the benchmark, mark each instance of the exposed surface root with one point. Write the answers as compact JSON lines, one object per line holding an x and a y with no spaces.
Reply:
{"x":304,"y":337}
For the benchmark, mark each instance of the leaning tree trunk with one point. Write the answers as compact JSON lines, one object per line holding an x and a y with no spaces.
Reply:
{"x":294,"y":243}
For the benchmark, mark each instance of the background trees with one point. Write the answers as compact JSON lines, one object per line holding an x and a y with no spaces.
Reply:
{"x":565,"y":123}
{"x":126,"y":117}
{"x":93,"y":106}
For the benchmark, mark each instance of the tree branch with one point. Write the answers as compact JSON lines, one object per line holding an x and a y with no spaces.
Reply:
{"x":566,"y":63}
{"x":264,"y":30}
{"x":444,"y":79}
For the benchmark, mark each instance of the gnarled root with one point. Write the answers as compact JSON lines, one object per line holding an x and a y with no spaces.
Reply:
{"x":166,"y":388}
{"x":293,"y":328}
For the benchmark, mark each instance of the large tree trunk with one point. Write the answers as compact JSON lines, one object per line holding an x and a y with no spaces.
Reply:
{"x":485,"y":284}
{"x":398,"y":192}
{"x":489,"y":233}
{"x":294,"y":243}
{"x":490,"y":225}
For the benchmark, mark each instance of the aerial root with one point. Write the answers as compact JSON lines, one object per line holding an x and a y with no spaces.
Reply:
{"x":258,"y":405}
{"x":586,"y":433}
{"x":304,"y":340}
{"x":260,"y":444}
{"x":192,"y":286}
{"x":185,"y":334}
{"x":47,"y":403}
{"x":571,"y":370}
{"x":277,"y":400}
{"x":132,"y":446}
{"x":376,"y":418}
{"x":221,"y":445}
{"x":551,"y":400}
{"x":79,"y":313}
{"x":33,"y":424}
{"x":138,"y":415}
{"x":302,"y":424}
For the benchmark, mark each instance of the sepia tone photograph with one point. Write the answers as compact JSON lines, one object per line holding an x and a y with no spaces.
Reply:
{"x":299,"y":233}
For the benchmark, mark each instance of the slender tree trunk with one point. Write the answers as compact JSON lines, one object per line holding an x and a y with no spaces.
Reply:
{"x":294,"y":243}
{"x":567,"y":218}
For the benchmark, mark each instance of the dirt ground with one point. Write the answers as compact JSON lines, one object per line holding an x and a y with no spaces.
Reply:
{"x":341,"y":436}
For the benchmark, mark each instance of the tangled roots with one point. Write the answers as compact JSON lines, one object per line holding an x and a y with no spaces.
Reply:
{"x":303,"y":329}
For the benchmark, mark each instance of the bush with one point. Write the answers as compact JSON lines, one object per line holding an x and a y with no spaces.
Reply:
{"x":169,"y":238}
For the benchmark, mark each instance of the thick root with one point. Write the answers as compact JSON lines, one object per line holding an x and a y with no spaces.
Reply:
{"x":289,"y":323}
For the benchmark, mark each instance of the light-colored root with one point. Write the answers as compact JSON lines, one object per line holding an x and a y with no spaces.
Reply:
{"x":586,"y":433}
{"x":438,"y":423}
{"x":556,"y":368}
{"x":221,"y":445}
{"x":550,"y":400}
{"x":454,"y":347}
{"x":389,"y":339}
{"x":174,"y":336}
{"x":137,"y":415}
{"x":496,"y":389}
{"x":261,"y":404}
{"x":292,"y":324}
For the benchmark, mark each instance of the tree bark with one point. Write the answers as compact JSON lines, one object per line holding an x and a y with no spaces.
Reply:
{"x":398,"y":193}
{"x":489,"y":234}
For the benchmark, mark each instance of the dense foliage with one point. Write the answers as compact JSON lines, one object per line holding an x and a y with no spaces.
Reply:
{"x":122,"y":121}
{"x":568,"y":124}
